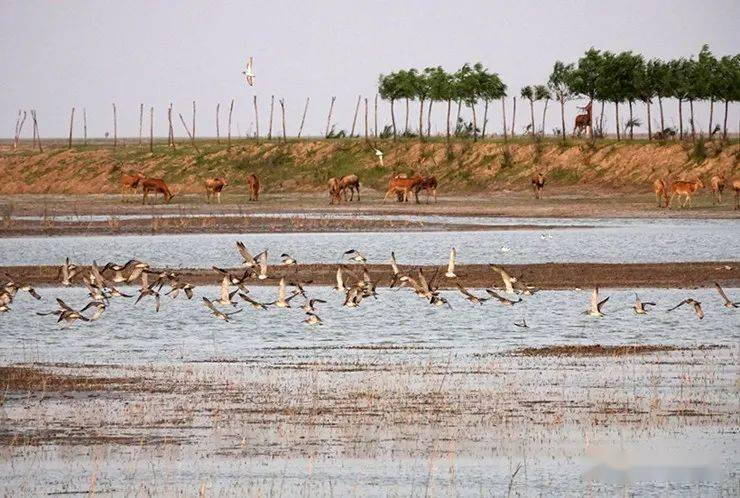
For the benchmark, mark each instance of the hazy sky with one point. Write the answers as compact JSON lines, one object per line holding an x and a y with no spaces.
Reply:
{"x":59,"y":54}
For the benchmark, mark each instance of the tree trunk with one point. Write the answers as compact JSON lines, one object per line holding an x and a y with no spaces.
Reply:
{"x":218,"y":130}
{"x":421,"y":118}
{"x":429,"y":118}
{"x":115,"y":127}
{"x":562,"y":115}
{"x":282,"y":108}
{"x":193,"y":122}
{"x":272,"y":107}
{"x":513,"y":120}
{"x":256,"y":118}
{"x":601,"y":121}
{"x":354,"y":119}
{"x":36,"y":130}
{"x":84,"y":126}
{"x":616,"y":119}
{"x":660,"y":107}
{"x":485,"y":120}
{"x":393,"y":119}
{"x":724,"y":132}
{"x":171,"y":129}
{"x":228,"y":130}
{"x":680,"y":119}
{"x":303,"y":119}
{"x":192,"y":137}
{"x":459,"y":110}
{"x":650,"y":126}
{"x":449,"y":109}
{"x":376,"y":116}
{"x":367,"y":136}
{"x":151,"y":129}
{"x":141,"y":122}
{"x":691,"y":112}
{"x":531,"y":110}
{"x":406,"y":129}
{"x":711,"y":116}
{"x":503,"y":116}
{"x":544,"y":113}
{"x":475,"y":123}
{"x":631,"y":122}
{"x":72,"y":120}
{"x":328,"y":119}
{"x":19,"y":130}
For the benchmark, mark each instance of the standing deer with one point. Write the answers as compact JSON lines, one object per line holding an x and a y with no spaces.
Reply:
{"x":583,"y":121}
{"x":718,"y":186}
{"x":661,"y":191}
{"x":155,"y":185}
{"x":351,"y":183}
{"x":685,"y":189}
{"x":254,"y":187}
{"x":130,"y":182}
{"x":214,"y":186}
{"x":538,"y":183}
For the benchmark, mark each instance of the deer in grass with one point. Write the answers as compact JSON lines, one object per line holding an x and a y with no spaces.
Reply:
{"x":253,"y":183}
{"x":335,"y":191}
{"x":661,"y":192}
{"x":155,"y":185}
{"x":538,"y":183}
{"x":583,"y":121}
{"x":686,"y":189}
{"x":402,"y":186}
{"x":718,"y":186}
{"x":214,"y":186}
{"x":350,"y":183}
{"x":429,"y":185}
{"x":131,"y":181}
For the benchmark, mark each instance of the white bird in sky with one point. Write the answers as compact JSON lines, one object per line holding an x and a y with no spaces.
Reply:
{"x":249,"y":72}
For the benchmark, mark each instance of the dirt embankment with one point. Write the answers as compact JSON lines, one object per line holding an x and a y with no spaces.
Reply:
{"x":305,"y":166}
{"x":543,"y":276}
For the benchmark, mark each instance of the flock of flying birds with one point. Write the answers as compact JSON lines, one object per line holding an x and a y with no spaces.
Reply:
{"x":102,"y":282}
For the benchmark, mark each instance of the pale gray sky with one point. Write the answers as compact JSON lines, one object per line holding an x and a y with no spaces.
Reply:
{"x":59,"y":54}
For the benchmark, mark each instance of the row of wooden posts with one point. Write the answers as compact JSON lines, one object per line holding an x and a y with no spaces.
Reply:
{"x":190,"y":130}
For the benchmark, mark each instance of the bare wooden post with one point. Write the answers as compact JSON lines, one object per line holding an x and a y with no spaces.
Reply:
{"x":354,"y":119}
{"x":71,"y":124}
{"x":503,"y":114}
{"x":84,"y":126}
{"x":15,"y":130}
{"x":303,"y":119}
{"x":513,"y":120}
{"x":115,"y":126}
{"x":151,"y":129}
{"x":231,"y":111}
{"x":33,"y":119}
{"x":192,"y":137}
{"x":36,"y":130}
{"x":282,"y":106}
{"x":272,"y":107}
{"x":171,"y":130}
{"x":376,"y":115}
{"x":328,"y":120}
{"x":367,"y":139}
{"x":256,"y":120}
{"x":19,"y":128}
{"x":218,"y":132}
{"x":141,"y":121}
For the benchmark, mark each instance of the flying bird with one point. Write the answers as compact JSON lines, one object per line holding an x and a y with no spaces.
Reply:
{"x":639,"y":306}
{"x":728,"y":302}
{"x":313,"y":319}
{"x":596,"y":305}
{"x":354,"y":255}
{"x":697,"y":307}
{"x":249,"y":72}
{"x":218,"y":313}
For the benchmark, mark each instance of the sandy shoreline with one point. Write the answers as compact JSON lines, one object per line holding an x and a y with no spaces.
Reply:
{"x":543,"y":275}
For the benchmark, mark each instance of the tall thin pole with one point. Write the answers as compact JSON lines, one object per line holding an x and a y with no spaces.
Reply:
{"x":115,"y":126}
{"x":367,"y":139}
{"x":218,"y":132}
{"x":151,"y":129}
{"x":36,"y":130}
{"x":376,"y":115}
{"x":503,"y":114}
{"x":141,"y":120}
{"x":328,"y":120}
{"x":272,"y":108}
{"x":170,"y":129}
{"x":84,"y":126}
{"x":193,"y":137}
{"x":513,"y":120}
{"x":282,"y":106}
{"x":354,"y":119}
{"x":256,"y":119}
{"x":303,"y":119}
{"x":71,"y":124}
{"x":231,"y":110}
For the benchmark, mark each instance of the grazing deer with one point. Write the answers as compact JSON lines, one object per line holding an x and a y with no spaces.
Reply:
{"x":351,"y":183}
{"x":214,"y":186}
{"x":155,"y":185}
{"x":254,"y":187}
{"x":335,"y":192}
{"x":131,"y":181}
{"x":583,"y":121}
{"x":661,"y":191}
{"x":429,"y":185}
{"x":718,"y":186}
{"x":401,"y":184}
{"x":685,"y":189}
{"x":736,"y":188}
{"x":538,"y":183}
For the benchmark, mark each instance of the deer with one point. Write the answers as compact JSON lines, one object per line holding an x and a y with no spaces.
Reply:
{"x":583,"y":121}
{"x":131,"y":181}
{"x":661,"y":191}
{"x":351,"y":183}
{"x":254,"y":187}
{"x":718,"y":186}
{"x":429,"y":185}
{"x":214,"y":186}
{"x":335,"y":192}
{"x":538,"y":183}
{"x":401,"y":184}
{"x":686,"y":189}
{"x":155,"y":185}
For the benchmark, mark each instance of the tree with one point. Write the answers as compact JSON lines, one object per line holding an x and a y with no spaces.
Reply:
{"x":389,"y":89}
{"x":407,"y":88}
{"x":490,"y":87}
{"x":585,"y":78}
{"x":559,"y":84}
{"x":614,"y":82}
{"x":541,"y":92}
{"x":680,"y":86}
{"x":728,"y":84}
{"x":528,"y":93}
{"x":441,"y":89}
{"x":468,"y":90}
{"x":420,"y":87}
{"x":706,"y":84}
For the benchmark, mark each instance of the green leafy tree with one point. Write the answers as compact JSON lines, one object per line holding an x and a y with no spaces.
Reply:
{"x":728,"y":84}
{"x":441,"y":89}
{"x":680,"y":84}
{"x":389,"y":89}
{"x":707,"y":85}
{"x":528,"y":93}
{"x":586,"y":76}
{"x":421,"y":92}
{"x":490,"y":87}
{"x":656,"y":83}
{"x":468,"y":90}
{"x":560,"y":82}
{"x":542,"y":92}
{"x":407,"y":81}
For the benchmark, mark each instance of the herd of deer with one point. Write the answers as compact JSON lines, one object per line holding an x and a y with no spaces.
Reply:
{"x":666,"y":190}
{"x":403,"y":186}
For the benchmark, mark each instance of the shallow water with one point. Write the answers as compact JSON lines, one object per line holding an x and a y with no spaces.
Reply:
{"x":185,"y":331}
{"x":610,"y":242}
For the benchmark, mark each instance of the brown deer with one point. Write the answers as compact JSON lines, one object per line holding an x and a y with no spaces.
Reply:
{"x":131,"y":181}
{"x":686,"y":189}
{"x":351,"y":183}
{"x":538,"y":183}
{"x":583,"y":121}
{"x":429,"y":185}
{"x":736,"y":188}
{"x":155,"y":185}
{"x":718,"y":186}
{"x":401,"y":184}
{"x":335,"y":192}
{"x":661,"y":191}
{"x":254,"y":187}
{"x":214,"y":186}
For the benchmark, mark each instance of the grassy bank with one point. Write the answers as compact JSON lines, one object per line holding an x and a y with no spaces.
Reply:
{"x":306,"y":165}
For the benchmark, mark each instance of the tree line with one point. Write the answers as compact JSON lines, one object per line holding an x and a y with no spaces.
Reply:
{"x":599,"y":76}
